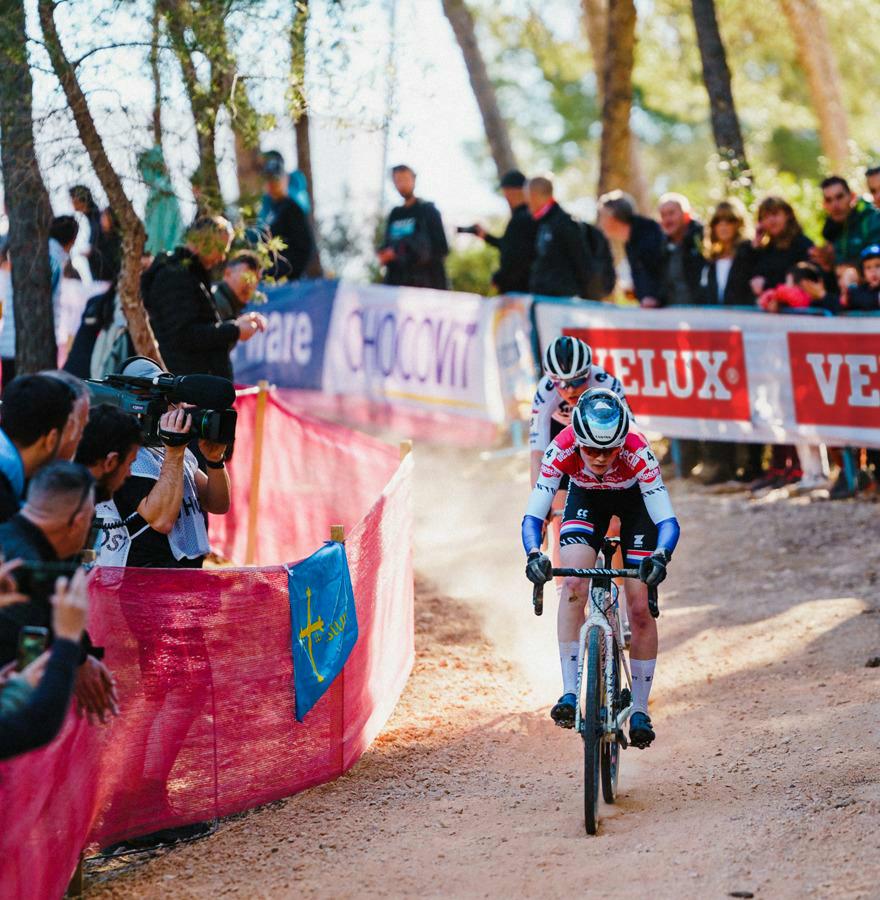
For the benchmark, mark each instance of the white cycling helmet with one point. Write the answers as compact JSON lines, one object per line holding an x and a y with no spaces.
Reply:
{"x":568,"y":358}
{"x":600,"y":419}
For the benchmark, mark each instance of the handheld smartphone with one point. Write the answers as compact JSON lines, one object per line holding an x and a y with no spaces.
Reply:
{"x":32,"y":641}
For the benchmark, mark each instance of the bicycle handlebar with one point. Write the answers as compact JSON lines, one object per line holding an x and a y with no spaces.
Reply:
{"x":538,"y":591}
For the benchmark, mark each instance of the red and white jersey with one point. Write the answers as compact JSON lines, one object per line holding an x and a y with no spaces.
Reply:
{"x":635,"y":464}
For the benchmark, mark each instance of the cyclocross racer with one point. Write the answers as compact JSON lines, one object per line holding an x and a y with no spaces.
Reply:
{"x":612,"y":472}
{"x":569,"y":371}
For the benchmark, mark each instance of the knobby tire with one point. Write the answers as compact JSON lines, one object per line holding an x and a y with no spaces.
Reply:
{"x":611,"y":749}
{"x":591,"y":730}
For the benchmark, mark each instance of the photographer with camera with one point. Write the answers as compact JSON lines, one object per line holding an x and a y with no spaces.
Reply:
{"x":34,"y":427}
{"x":34,"y":701}
{"x":49,"y":534}
{"x":162,"y":503}
{"x":176,"y":288}
{"x":517,"y":244}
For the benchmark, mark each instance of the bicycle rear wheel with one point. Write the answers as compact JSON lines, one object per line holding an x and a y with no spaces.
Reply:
{"x":610,"y":752}
{"x":591,"y":727}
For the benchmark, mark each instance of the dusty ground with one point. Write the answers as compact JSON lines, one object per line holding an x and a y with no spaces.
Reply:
{"x":764,"y":779}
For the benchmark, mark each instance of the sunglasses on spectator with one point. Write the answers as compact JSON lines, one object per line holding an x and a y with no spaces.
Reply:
{"x":86,"y":491}
{"x":569,"y":384}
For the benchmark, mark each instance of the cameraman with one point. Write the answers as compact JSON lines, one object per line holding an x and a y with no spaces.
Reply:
{"x":164,"y":501}
{"x":53,"y":527}
{"x":34,"y":426}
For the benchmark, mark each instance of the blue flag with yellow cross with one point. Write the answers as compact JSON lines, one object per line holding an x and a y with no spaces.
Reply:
{"x":323,"y":622}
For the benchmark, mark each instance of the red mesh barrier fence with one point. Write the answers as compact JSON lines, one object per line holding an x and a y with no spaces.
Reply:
{"x":314,"y":474}
{"x":203,"y":663}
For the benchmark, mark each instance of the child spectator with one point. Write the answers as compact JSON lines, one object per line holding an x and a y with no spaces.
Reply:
{"x":866,"y":296}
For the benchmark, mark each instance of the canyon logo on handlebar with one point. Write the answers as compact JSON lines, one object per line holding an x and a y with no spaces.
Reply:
{"x":147,"y":398}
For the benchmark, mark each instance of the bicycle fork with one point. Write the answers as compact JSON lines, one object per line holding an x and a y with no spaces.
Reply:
{"x":611,"y":724}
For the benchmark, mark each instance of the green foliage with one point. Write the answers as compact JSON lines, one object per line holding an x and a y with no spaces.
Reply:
{"x":540,"y":61}
{"x":470,"y":268}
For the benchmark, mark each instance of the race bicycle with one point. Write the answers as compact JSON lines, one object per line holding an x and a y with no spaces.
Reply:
{"x":604,"y":705}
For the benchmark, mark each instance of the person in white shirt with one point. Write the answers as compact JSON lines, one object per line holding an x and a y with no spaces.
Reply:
{"x":62,"y":235}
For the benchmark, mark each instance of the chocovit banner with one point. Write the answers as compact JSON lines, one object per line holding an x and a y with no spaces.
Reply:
{"x":421,"y":350}
{"x":735,"y":375}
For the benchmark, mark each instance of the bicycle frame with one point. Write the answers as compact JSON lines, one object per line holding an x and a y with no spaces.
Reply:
{"x":601,"y":600}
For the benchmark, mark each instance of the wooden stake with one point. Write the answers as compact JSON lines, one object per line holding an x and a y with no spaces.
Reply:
{"x":337,"y":534}
{"x":77,"y":882}
{"x":256,"y":471}
{"x":405,"y":449}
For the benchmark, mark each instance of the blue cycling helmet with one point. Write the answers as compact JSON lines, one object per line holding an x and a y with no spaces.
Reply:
{"x":600,"y":419}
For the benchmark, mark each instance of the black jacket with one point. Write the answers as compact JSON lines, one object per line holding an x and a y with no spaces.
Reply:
{"x":561,"y":267}
{"x":40,"y":720}
{"x":862,"y":297}
{"x":416,"y":235}
{"x":191,"y":334}
{"x":517,"y":246}
{"x":286,"y":220}
{"x":690,"y":252}
{"x":645,"y":254}
{"x":737,"y":291}
{"x":772,"y":263}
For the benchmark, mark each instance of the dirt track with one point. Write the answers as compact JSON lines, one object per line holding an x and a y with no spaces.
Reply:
{"x":765,"y":777}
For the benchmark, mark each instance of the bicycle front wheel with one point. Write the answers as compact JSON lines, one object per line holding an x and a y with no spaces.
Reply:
{"x":591,"y":727}
{"x":611,"y":749}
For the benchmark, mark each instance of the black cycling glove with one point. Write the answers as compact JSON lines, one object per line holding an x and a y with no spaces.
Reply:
{"x":652,"y":569}
{"x":539,"y":569}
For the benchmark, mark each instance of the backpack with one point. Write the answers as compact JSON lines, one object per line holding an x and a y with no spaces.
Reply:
{"x":602,"y":276}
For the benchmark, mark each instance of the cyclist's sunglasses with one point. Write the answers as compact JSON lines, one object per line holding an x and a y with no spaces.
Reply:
{"x":569,"y":384}
{"x":596,"y":452}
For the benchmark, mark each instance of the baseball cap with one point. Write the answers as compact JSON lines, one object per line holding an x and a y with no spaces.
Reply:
{"x":141,"y":367}
{"x":512,"y":179}
{"x":273,"y":164}
{"x":870,"y":252}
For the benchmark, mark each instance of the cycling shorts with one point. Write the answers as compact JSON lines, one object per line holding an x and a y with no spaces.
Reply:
{"x":588,"y":512}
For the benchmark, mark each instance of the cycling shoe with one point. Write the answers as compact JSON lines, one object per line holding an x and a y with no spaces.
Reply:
{"x":640,"y":731}
{"x":563,"y":713}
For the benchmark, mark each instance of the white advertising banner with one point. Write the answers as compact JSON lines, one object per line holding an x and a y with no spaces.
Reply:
{"x":416,"y":348}
{"x":735,"y":375}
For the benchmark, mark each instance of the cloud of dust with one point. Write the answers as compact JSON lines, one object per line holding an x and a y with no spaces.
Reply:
{"x":468,"y":515}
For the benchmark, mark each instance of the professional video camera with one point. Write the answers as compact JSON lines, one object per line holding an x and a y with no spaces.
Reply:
{"x":147,"y":397}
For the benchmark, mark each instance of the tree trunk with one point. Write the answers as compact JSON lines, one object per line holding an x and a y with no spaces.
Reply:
{"x":204,"y":105}
{"x":249,"y":167}
{"x":156,"y":75}
{"x":497,"y":134}
{"x":30,"y":213}
{"x":595,"y":16}
{"x":133,"y":233}
{"x":816,"y":56}
{"x":716,"y":75}
{"x":299,"y":109}
{"x":616,"y":148}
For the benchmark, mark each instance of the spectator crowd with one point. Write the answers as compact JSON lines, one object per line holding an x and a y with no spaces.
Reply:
{"x":65,"y":464}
